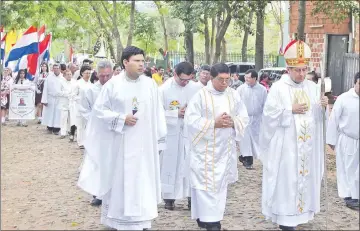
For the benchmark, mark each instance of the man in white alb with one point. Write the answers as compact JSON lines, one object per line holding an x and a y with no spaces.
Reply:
{"x":89,"y":96}
{"x":253,"y":95}
{"x":176,"y":93}
{"x":121,"y":165}
{"x":291,"y":144}
{"x":216,"y":118}
{"x":343,"y":136}
{"x":50,"y":100}
{"x":204,"y":75}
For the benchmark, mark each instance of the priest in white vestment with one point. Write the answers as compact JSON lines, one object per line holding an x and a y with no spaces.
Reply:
{"x":50,"y":100}
{"x":343,"y":136}
{"x":121,"y":165}
{"x":67,"y":86}
{"x":204,"y":76}
{"x":254,"y":96}
{"x":216,"y":118}
{"x":176,"y":93}
{"x":291,"y":144}
{"x":82,"y":85}
{"x":104,"y":70}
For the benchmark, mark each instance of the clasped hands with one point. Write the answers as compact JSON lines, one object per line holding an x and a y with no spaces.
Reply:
{"x":224,"y":121}
{"x":303,"y":108}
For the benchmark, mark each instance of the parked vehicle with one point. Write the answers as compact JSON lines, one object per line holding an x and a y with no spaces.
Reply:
{"x":274,"y":73}
{"x":240,"y":68}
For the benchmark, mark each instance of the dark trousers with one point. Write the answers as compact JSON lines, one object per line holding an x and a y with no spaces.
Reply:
{"x":72,"y":130}
{"x":53,"y":129}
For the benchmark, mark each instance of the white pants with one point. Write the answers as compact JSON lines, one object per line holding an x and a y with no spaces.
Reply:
{"x":208,"y":206}
{"x":65,"y":123}
{"x":80,"y":130}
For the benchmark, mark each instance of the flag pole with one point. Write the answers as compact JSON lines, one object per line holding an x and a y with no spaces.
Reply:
{"x":322,"y":71}
{"x":2,"y":59}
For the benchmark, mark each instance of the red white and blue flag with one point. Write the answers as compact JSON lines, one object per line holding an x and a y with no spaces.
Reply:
{"x":27,"y":44}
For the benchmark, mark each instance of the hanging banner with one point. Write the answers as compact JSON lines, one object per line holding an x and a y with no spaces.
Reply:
{"x":22,"y":102}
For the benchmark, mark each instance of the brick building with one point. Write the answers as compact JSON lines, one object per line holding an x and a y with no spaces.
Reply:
{"x":322,"y":34}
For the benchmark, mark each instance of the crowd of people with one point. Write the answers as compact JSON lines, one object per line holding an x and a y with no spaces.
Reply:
{"x":149,"y":139}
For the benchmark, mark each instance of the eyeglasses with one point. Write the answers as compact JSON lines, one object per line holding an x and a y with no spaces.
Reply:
{"x":222,"y":80}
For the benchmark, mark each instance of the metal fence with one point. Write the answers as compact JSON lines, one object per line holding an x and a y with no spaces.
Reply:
{"x":199,"y":58}
{"x":349,"y":69}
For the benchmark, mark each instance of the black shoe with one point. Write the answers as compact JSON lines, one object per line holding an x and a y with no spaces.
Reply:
{"x":353,"y":204}
{"x":189,"y":203}
{"x":96,"y":202}
{"x":201,"y":224}
{"x":282,"y":227}
{"x":81,"y":147}
{"x":56,"y":133}
{"x":347,"y":199}
{"x":169,"y":204}
{"x":213,"y":226}
{"x":241,"y":159}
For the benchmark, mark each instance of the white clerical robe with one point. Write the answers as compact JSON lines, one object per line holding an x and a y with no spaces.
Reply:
{"x":292,"y":153}
{"x":88,"y":99}
{"x":254,"y":98}
{"x":51,"y":92}
{"x":82,"y":86}
{"x":343,"y":132}
{"x":67,"y":88}
{"x":213,"y":156}
{"x":174,"y":178}
{"x":122,"y":162}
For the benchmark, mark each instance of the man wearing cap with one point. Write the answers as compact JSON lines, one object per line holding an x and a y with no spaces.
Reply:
{"x":291,"y":144}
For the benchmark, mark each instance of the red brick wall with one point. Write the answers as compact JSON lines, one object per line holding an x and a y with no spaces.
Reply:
{"x":317,"y":46}
{"x":320,"y":19}
{"x":315,"y":37}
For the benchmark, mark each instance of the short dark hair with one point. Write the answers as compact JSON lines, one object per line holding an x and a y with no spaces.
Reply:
{"x":147,"y":72}
{"x":184,"y":68}
{"x":87,"y":61}
{"x":315,"y":76}
{"x":84,"y":68}
{"x":128,"y":52}
{"x":219,"y":68}
{"x":116,"y":66}
{"x":205,"y":67}
{"x":63,"y":67}
{"x":253,"y":73}
{"x":357,"y":76}
{"x":160,"y":67}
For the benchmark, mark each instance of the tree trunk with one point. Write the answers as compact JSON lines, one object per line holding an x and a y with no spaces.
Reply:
{"x":301,"y":24}
{"x":162,"y":19}
{"x":132,"y":23}
{"x":213,"y":32}
{"x":259,"y":42}
{"x":223,"y":51}
{"x":221,"y":33}
{"x":245,"y":39}
{"x":207,"y":38}
{"x":110,"y":46}
{"x":189,"y":45}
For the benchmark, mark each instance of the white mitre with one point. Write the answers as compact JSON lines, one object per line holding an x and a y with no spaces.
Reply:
{"x":297,"y":54}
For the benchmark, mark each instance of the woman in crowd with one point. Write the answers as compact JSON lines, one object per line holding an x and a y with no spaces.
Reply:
{"x":265,"y":81}
{"x":21,"y":79}
{"x":116,"y":69}
{"x":82,"y":84}
{"x":39,"y":86}
{"x":6,"y":82}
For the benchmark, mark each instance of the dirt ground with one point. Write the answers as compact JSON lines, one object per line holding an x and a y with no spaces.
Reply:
{"x":38,"y":191}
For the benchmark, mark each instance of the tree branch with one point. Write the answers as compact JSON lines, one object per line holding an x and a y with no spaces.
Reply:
{"x":107,"y":11}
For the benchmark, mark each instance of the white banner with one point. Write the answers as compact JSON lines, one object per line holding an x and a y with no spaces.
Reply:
{"x":22,"y":102}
